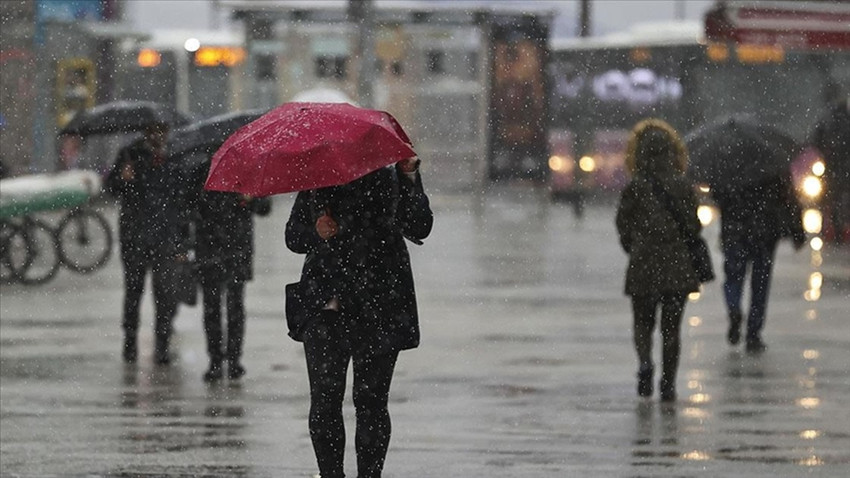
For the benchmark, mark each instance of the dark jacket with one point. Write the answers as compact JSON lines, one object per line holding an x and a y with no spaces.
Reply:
{"x":760,"y":214}
{"x":154,"y":212}
{"x":659,"y":261}
{"x":366,"y":266}
{"x":224,"y":230}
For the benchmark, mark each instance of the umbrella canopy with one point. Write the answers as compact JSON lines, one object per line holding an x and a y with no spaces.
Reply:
{"x":299,"y":146}
{"x":734,"y":153}
{"x":122,"y":117}
{"x":209,"y":134}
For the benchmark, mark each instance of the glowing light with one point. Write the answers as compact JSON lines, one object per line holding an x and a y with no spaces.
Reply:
{"x":559,"y":164}
{"x":811,"y":354}
{"x":694,"y":412}
{"x":808,"y":402}
{"x":812,"y":186}
{"x":693,"y":384}
{"x":812,"y":295}
{"x":696,"y":455}
{"x":705,"y":188}
{"x":705,"y":215}
{"x":216,"y":56}
{"x":695,"y":321}
{"x":816,"y":243}
{"x":148,"y":58}
{"x":810,"y":461}
{"x":694,"y":296}
{"x":587,"y":164}
{"x":700,"y":398}
{"x":811,"y":314}
{"x":815,"y":280}
{"x":192,"y":44}
{"x":818,"y":168}
{"x":812,"y":221}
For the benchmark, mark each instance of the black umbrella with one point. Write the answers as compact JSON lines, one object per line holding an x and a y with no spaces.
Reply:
{"x":734,"y":153}
{"x":209,"y":134}
{"x":122,"y":117}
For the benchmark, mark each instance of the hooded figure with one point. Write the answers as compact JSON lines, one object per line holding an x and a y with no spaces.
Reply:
{"x":660,"y":271}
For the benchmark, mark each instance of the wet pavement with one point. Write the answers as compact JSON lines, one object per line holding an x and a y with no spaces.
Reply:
{"x":525,"y":369}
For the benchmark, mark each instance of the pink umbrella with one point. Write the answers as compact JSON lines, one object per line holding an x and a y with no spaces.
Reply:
{"x":300,"y":146}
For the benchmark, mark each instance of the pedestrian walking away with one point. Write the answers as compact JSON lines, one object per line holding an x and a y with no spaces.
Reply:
{"x":152,"y":229}
{"x":356,"y":302}
{"x":752,"y":221}
{"x":656,"y":217}
{"x":224,"y":248}
{"x":832,"y":138}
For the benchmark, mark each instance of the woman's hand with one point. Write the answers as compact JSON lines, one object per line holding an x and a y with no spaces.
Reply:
{"x":127,"y":173}
{"x":326,"y":227}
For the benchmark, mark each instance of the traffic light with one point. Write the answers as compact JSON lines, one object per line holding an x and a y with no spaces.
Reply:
{"x":75,"y":88}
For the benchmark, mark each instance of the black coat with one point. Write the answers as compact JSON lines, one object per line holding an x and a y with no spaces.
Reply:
{"x":224,"y":230}
{"x":154,"y":212}
{"x":366,"y":266}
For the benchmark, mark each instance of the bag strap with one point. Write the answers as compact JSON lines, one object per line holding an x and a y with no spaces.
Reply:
{"x":671,"y":208}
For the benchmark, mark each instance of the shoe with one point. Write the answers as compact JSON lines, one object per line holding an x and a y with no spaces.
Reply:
{"x":644,"y":386}
{"x":755,"y":345}
{"x":214,"y":374}
{"x":734,"y":334}
{"x":235,"y":370}
{"x":130,"y":351}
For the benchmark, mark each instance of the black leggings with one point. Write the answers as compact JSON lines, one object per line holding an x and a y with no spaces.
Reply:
{"x":644,"y":309}
{"x":327,"y":363}
{"x":212,"y":287}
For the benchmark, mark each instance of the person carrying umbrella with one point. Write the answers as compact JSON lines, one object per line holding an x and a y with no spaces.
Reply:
{"x":746,"y":165}
{"x":224,"y":247}
{"x":152,"y":224}
{"x":656,"y":216}
{"x":362,"y":306}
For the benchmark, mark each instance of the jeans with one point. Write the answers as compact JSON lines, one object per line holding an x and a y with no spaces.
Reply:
{"x":234,"y":293}
{"x":738,"y":256}
{"x":327,"y":347}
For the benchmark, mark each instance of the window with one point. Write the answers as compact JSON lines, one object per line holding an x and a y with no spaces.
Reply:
{"x":332,"y":67}
{"x":435,"y":62}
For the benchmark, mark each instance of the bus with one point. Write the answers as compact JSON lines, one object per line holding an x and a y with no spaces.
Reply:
{"x":744,"y":59}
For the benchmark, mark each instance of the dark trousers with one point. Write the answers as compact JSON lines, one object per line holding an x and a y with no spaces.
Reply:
{"x":645,"y":310}
{"x":737,"y":257}
{"x":328,"y":352}
{"x":213,"y":288}
{"x":137,"y":262}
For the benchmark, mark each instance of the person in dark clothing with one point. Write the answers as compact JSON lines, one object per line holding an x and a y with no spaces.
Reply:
{"x":360,"y":302}
{"x":832,"y":138}
{"x":660,"y":273}
{"x":152,"y":226}
{"x":752,"y":220}
{"x":224,"y":247}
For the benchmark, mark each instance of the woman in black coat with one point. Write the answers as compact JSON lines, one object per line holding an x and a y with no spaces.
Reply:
{"x":224,"y":246}
{"x":356,"y":302}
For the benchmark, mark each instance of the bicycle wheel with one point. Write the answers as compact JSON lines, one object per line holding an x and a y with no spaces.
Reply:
{"x":42,"y":244}
{"x":15,"y":256}
{"x":85,"y":240}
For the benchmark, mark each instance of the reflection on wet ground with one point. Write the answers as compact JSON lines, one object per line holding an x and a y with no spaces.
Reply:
{"x":526,"y":369}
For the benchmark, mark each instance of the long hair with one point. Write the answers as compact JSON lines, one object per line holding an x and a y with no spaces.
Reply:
{"x":653,"y":140}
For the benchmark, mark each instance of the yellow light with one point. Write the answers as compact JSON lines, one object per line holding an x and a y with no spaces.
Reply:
{"x":811,"y":354}
{"x":557,"y":163}
{"x":717,"y":52}
{"x":700,"y":398}
{"x":816,"y":243}
{"x":818,"y":168}
{"x":693,"y":384}
{"x":811,"y":314}
{"x":694,"y":412}
{"x":810,"y":461}
{"x":705,"y":215}
{"x":694,"y":296}
{"x":815,"y":280}
{"x":812,"y":221}
{"x":587,"y":164}
{"x":219,"y":56}
{"x":812,"y":295}
{"x":695,"y":321}
{"x":148,"y":58}
{"x":809,"y":434}
{"x":808,"y":402}
{"x":812,"y":186}
{"x":704,"y":188}
{"x":760,"y":53}
{"x":696,"y":455}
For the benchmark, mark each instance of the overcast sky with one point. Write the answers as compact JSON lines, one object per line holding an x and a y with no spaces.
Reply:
{"x":607,"y":15}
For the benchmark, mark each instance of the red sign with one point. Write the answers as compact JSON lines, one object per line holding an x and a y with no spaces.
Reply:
{"x":793,"y":25}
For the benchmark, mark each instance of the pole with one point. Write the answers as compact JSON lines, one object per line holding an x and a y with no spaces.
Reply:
{"x":584,"y":19}
{"x":362,"y":14}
